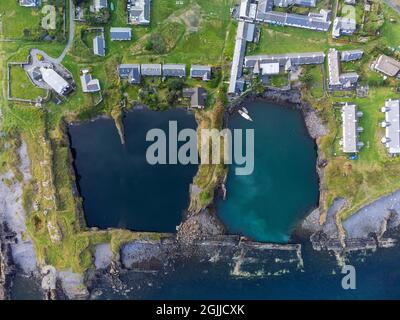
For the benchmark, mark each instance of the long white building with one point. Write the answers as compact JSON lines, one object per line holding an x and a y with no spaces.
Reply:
{"x":392,"y":126}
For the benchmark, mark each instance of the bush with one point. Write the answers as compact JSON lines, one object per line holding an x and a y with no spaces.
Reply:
{"x":156,"y":43}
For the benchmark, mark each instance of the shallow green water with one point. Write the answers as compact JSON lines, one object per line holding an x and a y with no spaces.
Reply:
{"x":284,"y":185}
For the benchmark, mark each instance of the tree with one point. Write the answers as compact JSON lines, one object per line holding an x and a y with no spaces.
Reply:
{"x":156,"y":43}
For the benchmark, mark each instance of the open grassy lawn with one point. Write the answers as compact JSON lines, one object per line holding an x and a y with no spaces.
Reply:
{"x":14,"y":19}
{"x":22,"y":87}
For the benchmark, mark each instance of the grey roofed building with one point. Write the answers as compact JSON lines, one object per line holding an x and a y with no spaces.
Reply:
{"x":55,"y":81}
{"x":99,"y":46}
{"x":244,"y":9}
{"x":151,"y":69}
{"x":250,"y":30}
{"x":174,"y":70}
{"x":29,"y":3}
{"x":120,"y":34}
{"x":131,"y":72}
{"x":333,"y":68}
{"x":238,"y":57}
{"x":351,"y":55}
{"x":392,"y":126}
{"x":349,"y":80}
{"x":350,"y":142}
{"x":99,"y":4}
{"x":313,"y":21}
{"x":263,"y":7}
{"x":139,"y":12}
{"x":296,"y":59}
{"x":302,"y":3}
{"x":199,"y":71}
{"x":350,"y":1}
{"x":197,"y":95}
{"x":336,"y":79}
{"x":88,"y":83}
{"x":387,"y":65}
{"x":342,"y":25}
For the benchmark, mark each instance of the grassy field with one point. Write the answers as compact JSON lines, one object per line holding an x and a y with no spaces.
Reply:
{"x":14,"y":19}
{"x":22,"y":87}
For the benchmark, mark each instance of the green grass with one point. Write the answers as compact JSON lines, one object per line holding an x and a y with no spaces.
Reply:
{"x":21,"y":86}
{"x":14,"y":19}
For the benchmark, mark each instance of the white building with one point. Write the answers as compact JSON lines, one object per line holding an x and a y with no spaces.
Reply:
{"x":391,"y":140}
{"x":55,"y":81}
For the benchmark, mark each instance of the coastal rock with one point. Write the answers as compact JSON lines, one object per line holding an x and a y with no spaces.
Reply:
{"x":198,"y":226}
{"x":102,"y":256}
{"x":73,"y":285}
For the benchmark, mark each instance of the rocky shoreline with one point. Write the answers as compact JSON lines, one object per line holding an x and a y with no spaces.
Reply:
{"x":202,"y":235}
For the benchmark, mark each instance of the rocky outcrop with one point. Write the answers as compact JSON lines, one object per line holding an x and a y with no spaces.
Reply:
{"x":7,"y":268}
{"x":199,"y":226}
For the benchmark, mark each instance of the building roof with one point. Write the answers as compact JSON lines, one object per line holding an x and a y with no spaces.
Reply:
{"x":198,"y":97}
{"x":250,"y":30}
{"x":314,"y":21}
{"x":199,"y":71}
{"x":244,"y":8}
{"x":88,"y":83}
{"x":99,"y":46}
{"x":295,"y":58}
{"x":351,"y":55}
{"x":238,"y":57}
{"x":174,"y":70}
{"x":263,"y":7}
{"x":343,"y":25}
{"x":270,"y":68}
{"x":54,"y":80}
{"x":120,"y":34}
{"x":302,"y":3}
{"x":333,"y":67}
{"x":387,"y":65}
{"x":100,"y":4}
{"x":131,"y":72}
{"x":350,"y":128}
{"x":151,"y":69}
{"x":29,"y":3}
{"x":392,"y":119}
{"x":139,"y":12}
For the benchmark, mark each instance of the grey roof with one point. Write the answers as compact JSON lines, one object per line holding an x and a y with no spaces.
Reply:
{"x":197,"y":95}
{"x":174,"y":70}
{"x":89,"y":84}
{"x":244,"y":8}
{"x":295,"y":58}
{"x":264,"y":6}
{"x":120,"y":34}
{"x":350,"y":128}
{"x":251,"y":27}
{"x":29,"y":3}
{"x":99,"y":46}
{"x":303,"y":3}
{"x":343,"y":25}
{"x":319,"y":22}
{"x":333,"y":68}
{"x":338,"y":80}
{"x":387,"y":65}
{"x":199,"y":71}
{"x":351,"y":55}
{"x":238,"y":57}
{"x":139,"y":13}
{"x":130,"y":72}
{"x":392,"y":119}
{"x":100,"y":4}
{"x":151,"y":69}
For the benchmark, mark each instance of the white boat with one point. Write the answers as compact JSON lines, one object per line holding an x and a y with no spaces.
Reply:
{"x":245,"y":110}
{"x":245,"y":115}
